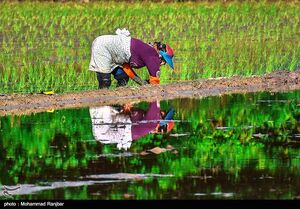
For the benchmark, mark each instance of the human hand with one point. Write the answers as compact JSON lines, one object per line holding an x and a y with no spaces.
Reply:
{"x":127,"y":107}
{"x":154,"y":80}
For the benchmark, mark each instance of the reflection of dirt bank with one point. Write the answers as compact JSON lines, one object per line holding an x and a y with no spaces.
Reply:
{"x":28,"y":103}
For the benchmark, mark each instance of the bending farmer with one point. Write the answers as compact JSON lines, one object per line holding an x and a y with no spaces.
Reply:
{"x":118,"y":54}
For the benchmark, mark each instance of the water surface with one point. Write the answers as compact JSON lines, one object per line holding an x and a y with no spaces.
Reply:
{"x":243,"y":146}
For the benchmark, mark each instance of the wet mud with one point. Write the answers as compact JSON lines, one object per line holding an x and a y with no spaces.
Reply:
{"x":278,"y":81}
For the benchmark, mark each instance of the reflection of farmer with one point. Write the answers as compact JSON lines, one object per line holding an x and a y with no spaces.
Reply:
{"x":166,"y":125}
{"x":118,"y":54}
{"x":152,"y":120}
{"x":110,"y":127}
{"x":122,"y":125}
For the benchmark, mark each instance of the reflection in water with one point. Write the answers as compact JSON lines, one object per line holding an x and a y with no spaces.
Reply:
{"x":110,"y":126}
{"x":231,"y":147}
{"x":123,"y":124}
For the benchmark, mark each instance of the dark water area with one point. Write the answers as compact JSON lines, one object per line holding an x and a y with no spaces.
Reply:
{"x":241,"y":146}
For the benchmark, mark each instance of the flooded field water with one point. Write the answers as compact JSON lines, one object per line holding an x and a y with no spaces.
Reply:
{"x":228,"y":147}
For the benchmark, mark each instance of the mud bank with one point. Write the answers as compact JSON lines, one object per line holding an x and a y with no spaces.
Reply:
{"x":31,"y":103}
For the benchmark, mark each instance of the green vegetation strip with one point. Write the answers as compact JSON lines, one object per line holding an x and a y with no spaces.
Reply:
{"x":46,"y":46}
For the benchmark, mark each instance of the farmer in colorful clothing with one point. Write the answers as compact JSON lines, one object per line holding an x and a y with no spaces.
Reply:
{"x":118,"y":54}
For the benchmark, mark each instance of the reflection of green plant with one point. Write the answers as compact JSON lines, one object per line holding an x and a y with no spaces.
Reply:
{"x":222,"y":141}
{"x":48,"y":48}
{"x":234,"y":148}
{"x":53,"y":139}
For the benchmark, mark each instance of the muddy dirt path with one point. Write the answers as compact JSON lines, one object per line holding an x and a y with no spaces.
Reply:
{"x":31,"y":103}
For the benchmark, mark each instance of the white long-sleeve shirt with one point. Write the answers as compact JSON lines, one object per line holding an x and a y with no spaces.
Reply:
{"x":110,"y":51}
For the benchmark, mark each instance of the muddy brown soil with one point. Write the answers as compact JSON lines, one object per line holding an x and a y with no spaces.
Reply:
{"x":278,"y":81}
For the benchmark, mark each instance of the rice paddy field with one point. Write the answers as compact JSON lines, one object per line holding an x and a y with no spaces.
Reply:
{"x":46,"y":46}
{"x":235,"y":138}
